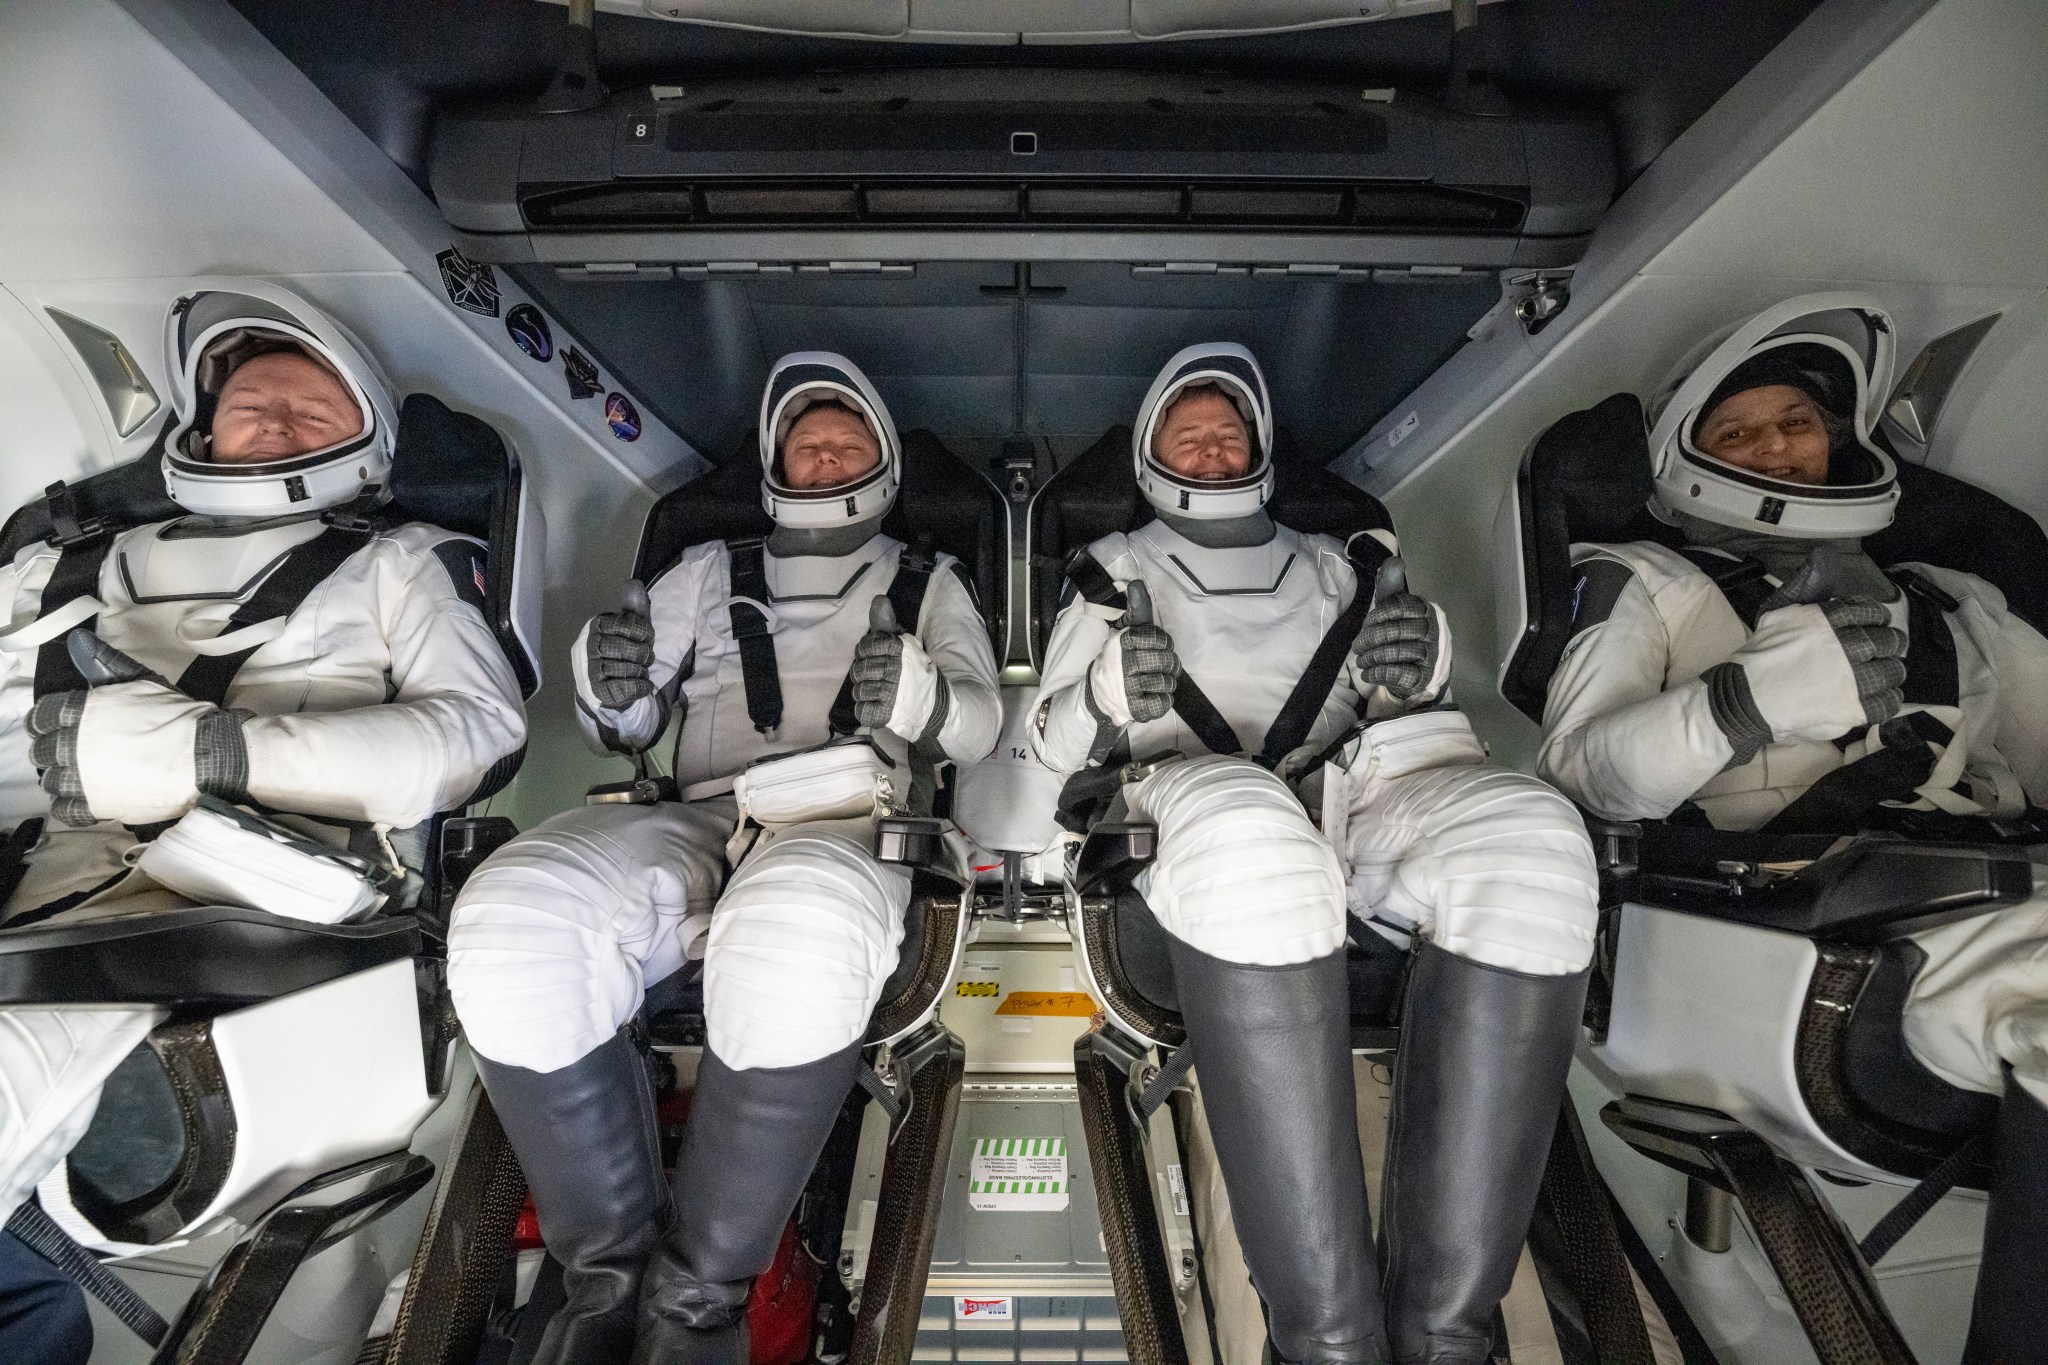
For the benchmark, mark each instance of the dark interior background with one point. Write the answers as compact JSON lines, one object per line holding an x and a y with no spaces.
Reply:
{"x":955,"y":348}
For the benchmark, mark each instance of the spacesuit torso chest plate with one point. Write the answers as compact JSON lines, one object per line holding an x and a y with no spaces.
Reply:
{"x":1245,"y":622}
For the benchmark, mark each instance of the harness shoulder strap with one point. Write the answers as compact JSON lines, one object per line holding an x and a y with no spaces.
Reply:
{"x":1745,"y":583}
{"x":305,"y":568}
{"x":748,"y":570}
{"x":76,"y":575}
{"x":1290,"y":729}
{"x":1932,"y":676}
{"x":906,"y":599}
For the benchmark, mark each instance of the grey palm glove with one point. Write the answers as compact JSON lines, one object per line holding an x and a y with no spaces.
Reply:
{"x":1134,"y":677}
{"x":619,"y":652}
{"x":53,"y":747}
{"x":143,"y":763}
{"x":1399,"y":647}
{"x":1809,"y":671}
{"x":895,"y":684}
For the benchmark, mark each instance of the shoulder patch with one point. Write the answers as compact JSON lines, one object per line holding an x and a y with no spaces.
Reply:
{"x":468,"y":565}
{"x":1597,"y":585}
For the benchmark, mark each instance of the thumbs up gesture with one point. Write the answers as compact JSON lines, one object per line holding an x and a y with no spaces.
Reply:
{"x":1133,"y":679}
{"x":1402,"y":659}
{"x":895,"y":685}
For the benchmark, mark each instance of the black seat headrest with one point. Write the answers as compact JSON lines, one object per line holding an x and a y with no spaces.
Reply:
{"x":944,"y":505}
{"x":1096,"y":493}
{"x":1587,"y":479}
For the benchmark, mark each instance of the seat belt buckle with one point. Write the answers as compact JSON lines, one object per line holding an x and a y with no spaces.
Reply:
{"x":1136,"y":772}
{"x":67,"y":528}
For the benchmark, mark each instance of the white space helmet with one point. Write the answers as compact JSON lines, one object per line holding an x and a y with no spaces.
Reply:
{"x":206,"y":337}
{"x":1839,"y":348}
{"x":1231,"y":368}
{"x":799,"y":380}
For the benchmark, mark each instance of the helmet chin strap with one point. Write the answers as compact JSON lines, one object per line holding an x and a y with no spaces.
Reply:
{"x":829,"y":542}
{"x":1228,"y":533}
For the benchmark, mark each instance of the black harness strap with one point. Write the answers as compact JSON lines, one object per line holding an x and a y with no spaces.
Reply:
{"x":1932,"y":672}
{"x":906,"y":599}
{"x":1290,"y":729}
{"x":1745,"y":583}
{"x":748,"y":570}
{"x":208,"y":677}
{"x":1837,"y":802}
{"x":77,"y":575}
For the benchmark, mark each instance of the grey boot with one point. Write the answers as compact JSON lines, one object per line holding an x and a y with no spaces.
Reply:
{"x":752,"y":1141}
{"x":2009,"y":1321}
{"x":585,"y":1137}
{"x":1477,"y":1083}
{"x":1273,"y":1049}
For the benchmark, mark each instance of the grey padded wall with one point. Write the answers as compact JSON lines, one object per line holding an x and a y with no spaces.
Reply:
{"x":953,"y":347}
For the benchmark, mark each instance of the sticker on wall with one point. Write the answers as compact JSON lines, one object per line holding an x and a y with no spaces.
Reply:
{"x":1058,"y":1004}
{"x":622,"y":416}
{"x":984,"y":1310}
{"x":584,"y":380}
{"x":470,"y":284}
{"x":530,"y":332}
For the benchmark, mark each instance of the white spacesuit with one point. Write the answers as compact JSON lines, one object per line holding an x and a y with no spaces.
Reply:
{"x":1488,"y":871}
{"x":321,"y":662}
{"x":557,"y":937}
{"x":1751,"y":671}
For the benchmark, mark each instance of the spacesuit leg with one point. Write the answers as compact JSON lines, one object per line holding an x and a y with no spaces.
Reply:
{"x":1978,"y":1017}
{"x":52,"y":1065}
{"x":1252,"y":898}
{"x":551,"y":944}
{"x":1493,"y":872}
{"x":801,"y":944}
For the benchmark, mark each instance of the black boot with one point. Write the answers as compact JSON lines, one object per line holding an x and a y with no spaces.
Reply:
{"x":585,"y":1137}
{"x":1477,"y":1083}
{"x":752,"y":1141}
{"x":1273,"y":1049}
{"x":2009,"y":1321}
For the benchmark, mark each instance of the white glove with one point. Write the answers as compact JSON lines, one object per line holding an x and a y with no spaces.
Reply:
{"x":896,"y":686}
{"x":1810,"y":671}
{"x":1401,"y":660}
{"x":1134,"y":676}
{"x":127,"y":751}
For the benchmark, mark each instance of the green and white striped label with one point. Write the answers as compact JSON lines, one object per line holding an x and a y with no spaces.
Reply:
{"x":1018,"y":1173}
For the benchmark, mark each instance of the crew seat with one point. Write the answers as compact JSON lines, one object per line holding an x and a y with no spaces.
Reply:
{"x":1753,"y":1012}
{"x":297,"y":1059}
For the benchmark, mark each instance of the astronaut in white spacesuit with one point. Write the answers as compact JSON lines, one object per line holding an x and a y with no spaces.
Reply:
{"x":1223,"y":653}
{"x":765,"y":648}
{"x":284,"y":645}
{"x":1777,"y":678}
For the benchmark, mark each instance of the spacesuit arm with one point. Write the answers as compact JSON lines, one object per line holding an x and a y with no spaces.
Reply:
{"x":1066,"y":728}
{"x":956,"y":641}
{"x":2020,"y":656}
{"x":674,"y":602}
{"x":454,"y":713}
{"x":21,"y":591}
{"x":1614,"y":739}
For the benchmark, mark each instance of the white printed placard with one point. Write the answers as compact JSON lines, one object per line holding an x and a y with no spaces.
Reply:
{"x":984,"y":1310}
{"x":1018,"y":1173}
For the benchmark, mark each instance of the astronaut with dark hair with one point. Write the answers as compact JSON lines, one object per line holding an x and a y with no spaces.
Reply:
{"x":1771,"y":676}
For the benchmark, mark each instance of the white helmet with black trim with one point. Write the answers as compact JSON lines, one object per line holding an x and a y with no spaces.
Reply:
{"x":1839,"y":349}
{"x":798,"y":381}
{"x":1232,"y":369}
{"x":209,"y":334}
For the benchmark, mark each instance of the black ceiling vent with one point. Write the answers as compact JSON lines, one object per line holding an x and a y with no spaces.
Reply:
{"x":968,"y":164}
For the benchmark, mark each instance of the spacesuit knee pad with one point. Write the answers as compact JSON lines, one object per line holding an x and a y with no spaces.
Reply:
{"x":553,"y":940}
{"x":1241,"y":873}
{"x":1491,"y":865}
{"x":800,"y":946}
